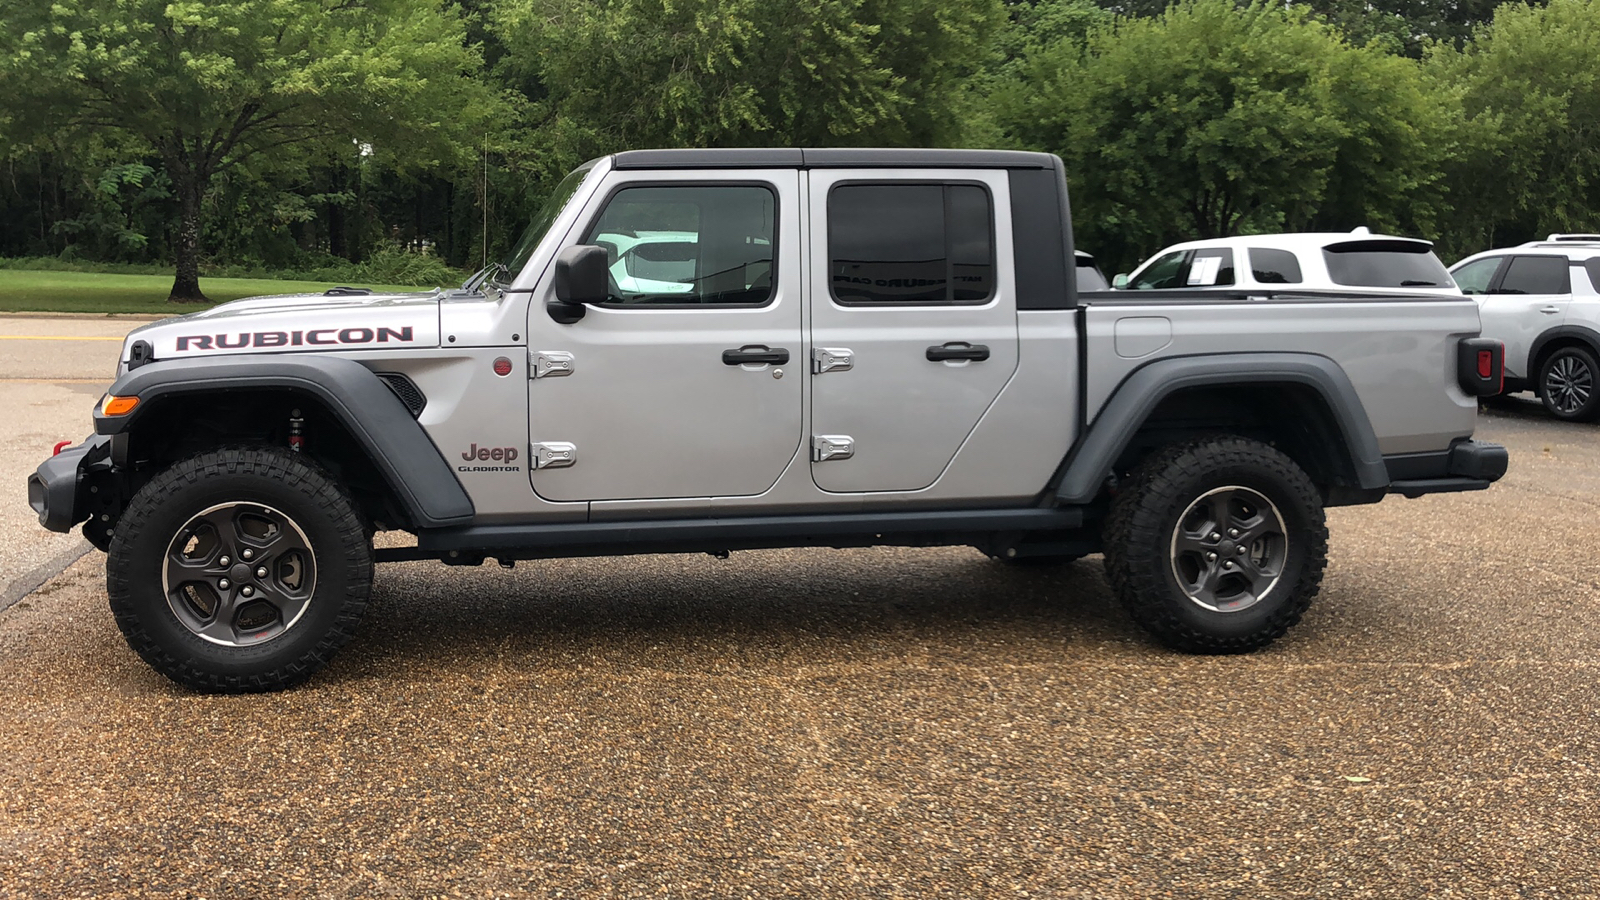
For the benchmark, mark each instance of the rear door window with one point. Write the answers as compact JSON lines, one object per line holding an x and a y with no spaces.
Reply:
{"x":1385,"y":264}
{"x":1269,"y":266}
{"x":1536,"y":275}
{"x":910,"y":243}
{"x":1210,"y":267}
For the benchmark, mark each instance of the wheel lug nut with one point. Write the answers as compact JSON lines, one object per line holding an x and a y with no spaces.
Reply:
{"x":247,"y":553}
{"x":1226,"y":565}
{"x":1233,"y":532}
{"x":223,"y":583}
{"x":1241,"y":551}
{"x":262,"y":571}
{"x":224,"y":561}
{"x":247,"y":590}
{"x":1215,"y":536}
{"x":1211,"y":557}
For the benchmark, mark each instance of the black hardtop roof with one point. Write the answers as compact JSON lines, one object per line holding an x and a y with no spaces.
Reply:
{"x":840,"y":158}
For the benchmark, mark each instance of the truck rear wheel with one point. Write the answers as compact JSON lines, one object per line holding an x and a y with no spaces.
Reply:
{"x":239,"y":570}
{"x":1217,"y":545}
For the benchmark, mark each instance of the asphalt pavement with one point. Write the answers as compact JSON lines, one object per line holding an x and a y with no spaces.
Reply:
{"x":864,"y":723}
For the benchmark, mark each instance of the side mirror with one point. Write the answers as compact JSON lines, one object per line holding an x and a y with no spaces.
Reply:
{"x":580,"y":277}
{"x":1121,"y":281}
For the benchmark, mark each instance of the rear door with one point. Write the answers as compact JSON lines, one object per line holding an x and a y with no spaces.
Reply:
{"x":913,"y":320}
{"x":1528,"y":297}
{"x":675,"y":387}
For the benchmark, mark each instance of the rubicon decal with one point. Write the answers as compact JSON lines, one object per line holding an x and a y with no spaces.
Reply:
{"x":503,"y":455}
{"x":316,"y":337}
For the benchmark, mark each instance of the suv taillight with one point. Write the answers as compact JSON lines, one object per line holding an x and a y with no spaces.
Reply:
{"x":1481,"y":366}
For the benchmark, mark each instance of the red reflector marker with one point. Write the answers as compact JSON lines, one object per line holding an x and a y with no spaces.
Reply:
{"x":1485,"y":364}
{"x":60,"y":446}
{"x":502,"y":366}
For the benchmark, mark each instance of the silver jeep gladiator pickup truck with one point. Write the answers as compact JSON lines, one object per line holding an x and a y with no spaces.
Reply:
{"x":715,"y":350}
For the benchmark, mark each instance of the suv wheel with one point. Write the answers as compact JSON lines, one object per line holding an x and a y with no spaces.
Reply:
{"x":1567,"y":384}
{"x":239,"y":570}
{"x":1217,"y":545}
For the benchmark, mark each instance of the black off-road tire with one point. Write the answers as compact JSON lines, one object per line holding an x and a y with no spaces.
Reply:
{"x":1569,"y":384}
{"x":1142,"y":534}
{"x":275,"y":486}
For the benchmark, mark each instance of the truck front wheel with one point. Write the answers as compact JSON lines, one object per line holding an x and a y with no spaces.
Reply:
{"x":1216,"y":545}
{"x":240,"y":569}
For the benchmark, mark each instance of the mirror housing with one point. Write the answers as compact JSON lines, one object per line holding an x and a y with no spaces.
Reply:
{"x":1120,"y":282}
{"x":581,"y":277}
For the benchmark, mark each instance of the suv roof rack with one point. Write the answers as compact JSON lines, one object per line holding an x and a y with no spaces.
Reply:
{"x":1584,"y":238}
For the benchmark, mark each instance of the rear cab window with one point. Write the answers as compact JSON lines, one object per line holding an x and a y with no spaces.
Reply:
{"x":1385,"y":264}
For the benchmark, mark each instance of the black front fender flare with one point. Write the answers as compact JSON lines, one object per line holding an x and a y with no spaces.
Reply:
{"x":1087,"y":467}
{"x":408,"y":460}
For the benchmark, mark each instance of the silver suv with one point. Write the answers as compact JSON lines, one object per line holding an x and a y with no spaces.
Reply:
{"x":1541,"y":300}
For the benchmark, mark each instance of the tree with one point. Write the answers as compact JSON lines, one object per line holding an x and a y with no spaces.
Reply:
{"x":675,"y":73}
{"x":1529,"y":85}
{"x":207,"y":86}
{"x":1213,"y":120}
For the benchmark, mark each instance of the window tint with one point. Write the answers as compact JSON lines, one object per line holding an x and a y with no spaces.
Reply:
{"x":910,"y":243}
{"x":1166,"y":272}
{"x":1209,"y":268}
{"x":1385,"y":264}
{"x":1474,"y":277}
{"x":1274,"y":266}
{"x":689,"y":245}
{"x":1536,"y":275}
{"x":1592,"y":266}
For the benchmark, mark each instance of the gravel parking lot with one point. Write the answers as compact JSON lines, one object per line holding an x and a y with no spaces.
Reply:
{"x":884,"y":723}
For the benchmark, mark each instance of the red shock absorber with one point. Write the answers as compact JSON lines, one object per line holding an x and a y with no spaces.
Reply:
{"x":297,"y":439}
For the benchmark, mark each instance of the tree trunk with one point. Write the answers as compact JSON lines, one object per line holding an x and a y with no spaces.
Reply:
{"x":186,"y":287}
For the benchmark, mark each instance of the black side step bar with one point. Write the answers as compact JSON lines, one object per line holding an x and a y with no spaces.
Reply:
{"x":734,"y":533}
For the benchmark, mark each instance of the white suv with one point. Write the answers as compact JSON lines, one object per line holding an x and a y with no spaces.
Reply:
{"x":1540,"y":299}
{"x":1356,"y":262}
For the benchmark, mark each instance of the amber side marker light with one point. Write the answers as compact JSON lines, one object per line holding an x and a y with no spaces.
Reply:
{"x":118,"y":406}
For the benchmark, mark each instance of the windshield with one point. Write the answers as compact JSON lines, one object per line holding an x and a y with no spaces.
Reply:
{"x":518,"y":257}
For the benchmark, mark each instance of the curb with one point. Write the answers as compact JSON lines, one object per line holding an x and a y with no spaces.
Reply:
{"x":35,"y":579}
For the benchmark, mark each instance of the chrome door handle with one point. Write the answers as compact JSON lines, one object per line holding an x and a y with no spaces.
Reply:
{"x":755,"y":353}
{"x":1549,"y":309}
{"x":958,"y":350}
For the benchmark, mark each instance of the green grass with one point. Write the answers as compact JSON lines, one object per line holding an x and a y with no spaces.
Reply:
{"x":89,"y":292}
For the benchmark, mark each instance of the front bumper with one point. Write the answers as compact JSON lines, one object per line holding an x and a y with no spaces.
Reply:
{"x":56,"y":488}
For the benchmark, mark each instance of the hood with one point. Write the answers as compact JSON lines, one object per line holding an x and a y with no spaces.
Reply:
{"x":295,"y":323}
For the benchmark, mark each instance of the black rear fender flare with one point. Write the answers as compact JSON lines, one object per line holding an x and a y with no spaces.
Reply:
{"x":1086,"y":468}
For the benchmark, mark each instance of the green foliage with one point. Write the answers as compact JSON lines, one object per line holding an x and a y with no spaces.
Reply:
{"x":1529,"y":87}
{"x":674,"y":73}
{"x":207,"y":86}
{"x":1251,"y":121}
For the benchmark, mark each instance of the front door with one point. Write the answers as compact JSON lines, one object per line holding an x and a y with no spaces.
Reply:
{"x":913,"y":322}
{"x":688,"y":381}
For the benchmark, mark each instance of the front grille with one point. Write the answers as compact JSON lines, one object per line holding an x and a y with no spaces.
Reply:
{"x":406,"y":391}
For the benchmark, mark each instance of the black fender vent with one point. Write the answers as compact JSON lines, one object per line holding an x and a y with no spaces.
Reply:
{"x":141,"y":353}
{"x":406,"y":390}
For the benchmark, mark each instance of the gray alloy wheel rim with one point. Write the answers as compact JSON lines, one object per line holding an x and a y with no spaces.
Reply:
{"x":1228,"y":549}
{"x":239,"y":574}
{"x":1568,"y":383}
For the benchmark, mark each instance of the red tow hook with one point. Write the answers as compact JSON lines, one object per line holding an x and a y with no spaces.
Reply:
{"x":62,"y":445}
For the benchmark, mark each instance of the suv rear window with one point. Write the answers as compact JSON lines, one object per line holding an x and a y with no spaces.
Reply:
{"x":1391,"y":264}
{"x":1536,"y":275}
{"x":1274,"y":266}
